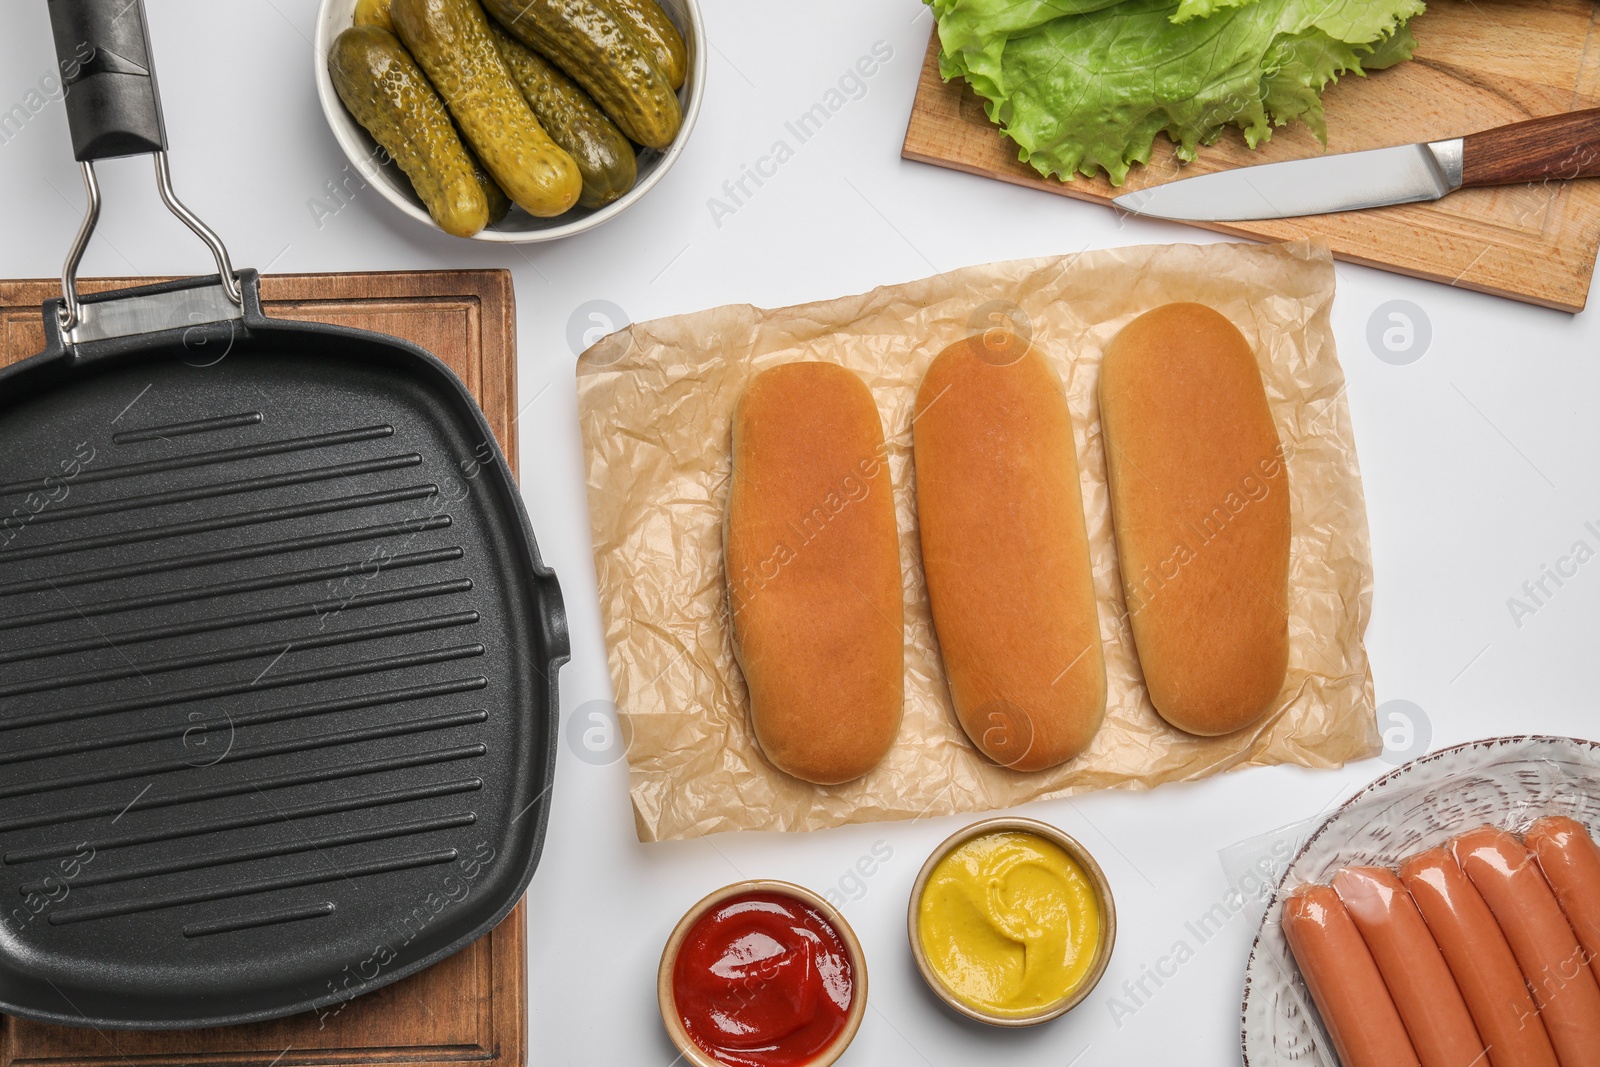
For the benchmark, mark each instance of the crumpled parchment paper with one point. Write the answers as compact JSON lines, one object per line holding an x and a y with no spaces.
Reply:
{"x":656,"y":400}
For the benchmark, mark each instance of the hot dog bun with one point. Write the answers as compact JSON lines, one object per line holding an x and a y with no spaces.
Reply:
{"x":1200,"y":506}
{"x":813,"y":569}
{"x":1344,"y":982}
{"x":1006,"y":552}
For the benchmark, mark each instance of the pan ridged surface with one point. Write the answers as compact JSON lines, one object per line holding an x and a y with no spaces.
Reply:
{"x":272,"y":686}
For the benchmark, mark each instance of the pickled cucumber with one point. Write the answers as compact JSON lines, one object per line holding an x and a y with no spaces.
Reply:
{"x":499,"y":202}
{"x":652,"y":28}
{"x":391,"y":98}
{"x":591,"y":44}
{"x":573,"y":121}
{"x":374,"y":13}
{"x":450,"y":40}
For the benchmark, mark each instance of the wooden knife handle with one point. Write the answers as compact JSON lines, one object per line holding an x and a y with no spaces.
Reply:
{"x":1556,"y":147}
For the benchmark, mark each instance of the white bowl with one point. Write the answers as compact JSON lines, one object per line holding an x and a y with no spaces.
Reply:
{"x":518,"y":227}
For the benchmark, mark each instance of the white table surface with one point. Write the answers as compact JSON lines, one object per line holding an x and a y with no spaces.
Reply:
{"x":1478,"y":459}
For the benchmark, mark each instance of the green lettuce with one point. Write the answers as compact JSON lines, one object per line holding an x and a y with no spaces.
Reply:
{"x":1084,"y":85}
{"x":1199,"y":9}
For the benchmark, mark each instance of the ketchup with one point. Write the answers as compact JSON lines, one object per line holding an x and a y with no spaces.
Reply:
{"x":763,"y":980}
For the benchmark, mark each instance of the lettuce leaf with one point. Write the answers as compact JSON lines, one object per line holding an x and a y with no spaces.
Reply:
{"x":1082,"y":88}
{"x":1199,"y":9}
{"x":972,"y":37}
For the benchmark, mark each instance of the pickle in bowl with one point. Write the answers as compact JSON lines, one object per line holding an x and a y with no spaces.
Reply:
{"x":391,"y":98}
{"x":590,"y":43}
{"x":573,"y":121}
{"x":450,"y":41}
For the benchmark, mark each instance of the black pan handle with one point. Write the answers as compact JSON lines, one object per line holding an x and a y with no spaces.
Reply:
{"x":114,"y":110}
{"x":112,"y":103}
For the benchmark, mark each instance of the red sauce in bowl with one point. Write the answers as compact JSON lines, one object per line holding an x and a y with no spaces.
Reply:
{"x":763,"y":980}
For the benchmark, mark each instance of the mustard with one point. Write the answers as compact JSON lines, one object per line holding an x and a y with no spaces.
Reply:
{"x":1009,"y":923}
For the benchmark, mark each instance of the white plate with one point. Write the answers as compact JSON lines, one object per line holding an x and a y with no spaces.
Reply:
{"x":518,"y":227}
{"x":1507,"y":781}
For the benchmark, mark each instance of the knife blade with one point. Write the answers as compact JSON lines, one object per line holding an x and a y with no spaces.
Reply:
{"x":1556,"y":147}
{"x":1347,"y":181}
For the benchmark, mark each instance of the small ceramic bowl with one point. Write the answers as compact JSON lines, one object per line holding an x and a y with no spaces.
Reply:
{"x":693,"y":1054}
{"x":1102,"y":889}
{"x":519,"y":227}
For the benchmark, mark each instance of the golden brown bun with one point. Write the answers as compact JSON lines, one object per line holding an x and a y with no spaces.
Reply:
{"x":814,"y":572}
{"x":1006,"y":552}
{"x":1200,"y":504}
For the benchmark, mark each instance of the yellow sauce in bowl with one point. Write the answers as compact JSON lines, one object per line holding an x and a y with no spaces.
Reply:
{"x":1009,"y":923}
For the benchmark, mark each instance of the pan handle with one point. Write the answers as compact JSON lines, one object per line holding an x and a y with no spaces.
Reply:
{"x":114,"y":109}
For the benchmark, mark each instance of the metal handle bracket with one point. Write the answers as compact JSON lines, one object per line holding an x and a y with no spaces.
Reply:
{"x":72,"y":307}
{"x":114,"y":109}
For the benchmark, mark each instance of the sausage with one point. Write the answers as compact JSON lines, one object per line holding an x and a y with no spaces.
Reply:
{"x":1507,"y":876}
{"x":1412,"y":966}
{"x":1484,"y":968}
{"x":1571,"y":863}
{"x":1345,"y":983}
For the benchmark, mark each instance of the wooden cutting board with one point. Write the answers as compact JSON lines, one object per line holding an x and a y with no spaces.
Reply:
{"x":1477,"y":65}
{"x":472,"y":1007}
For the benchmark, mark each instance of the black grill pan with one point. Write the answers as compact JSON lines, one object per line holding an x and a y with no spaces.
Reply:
{"x":277,"y":652}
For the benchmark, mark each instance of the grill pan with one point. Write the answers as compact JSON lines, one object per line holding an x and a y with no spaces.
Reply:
{"x":277,"y":652}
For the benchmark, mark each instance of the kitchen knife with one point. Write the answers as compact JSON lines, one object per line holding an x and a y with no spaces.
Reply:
{"x":1554,"y":148}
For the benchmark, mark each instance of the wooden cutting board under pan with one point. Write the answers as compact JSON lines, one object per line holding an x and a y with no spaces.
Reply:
{"x":473,"y":1007}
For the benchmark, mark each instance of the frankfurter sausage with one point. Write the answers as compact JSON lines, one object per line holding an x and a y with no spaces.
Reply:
{"x":1412,"y":966}
{"x":1508,"y":877}
{"x":1485,"y":970}
{"x":1571,"y":863}
{"x":1345,"y":984}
